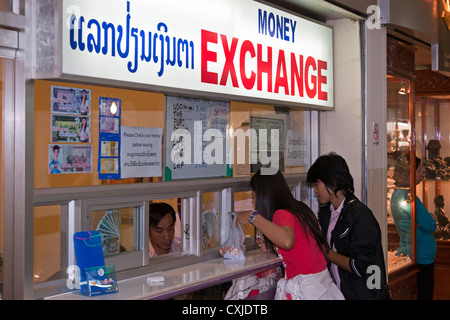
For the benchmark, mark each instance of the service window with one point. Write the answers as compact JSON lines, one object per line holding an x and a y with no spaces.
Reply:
{"x":262,"y":135}
{"x":49,"y":244}
{"x":121,"y":227}
{"x":118,"y":229}
{"x":211,"y":221}
{"x":165,"y":226}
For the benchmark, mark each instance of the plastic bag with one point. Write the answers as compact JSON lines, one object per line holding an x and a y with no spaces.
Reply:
{"x":233,"y":248}
{"x":255,"y":284}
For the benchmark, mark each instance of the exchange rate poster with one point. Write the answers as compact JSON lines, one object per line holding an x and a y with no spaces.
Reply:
{"x":109,"y":138}
{"x":141,"y":152}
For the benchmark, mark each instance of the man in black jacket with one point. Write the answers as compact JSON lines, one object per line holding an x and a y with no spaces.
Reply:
{"x":352,"y":232}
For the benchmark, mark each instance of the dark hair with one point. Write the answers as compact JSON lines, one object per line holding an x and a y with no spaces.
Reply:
{"x":439,"y":201}
{"x":272,"y":193}
{"x":402,"y":172}
{"x":333,"y":171}
{"x":159,"y":210}
{"x":83,"y":125}
{"x":55,"y":147}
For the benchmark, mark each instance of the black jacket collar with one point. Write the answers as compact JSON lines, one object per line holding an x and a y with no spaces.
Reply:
{"x":325,"y":212}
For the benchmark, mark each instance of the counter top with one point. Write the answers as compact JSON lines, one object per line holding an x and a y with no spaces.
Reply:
{"x":183,"y":280}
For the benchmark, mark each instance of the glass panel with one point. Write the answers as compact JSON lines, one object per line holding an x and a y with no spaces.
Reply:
{"x":291,"y":155}
{"x":398,"y":184}
{"x":60,"y":123}
{"x":210,"y":220}
{"x":2,"y":170}
{"x":243,"y":201}
{"x":5,"y":5}
{"x":118,"y":228}
{"x":165,"y":232}
{"x":47,"y":243}
{"x":440,"y":205}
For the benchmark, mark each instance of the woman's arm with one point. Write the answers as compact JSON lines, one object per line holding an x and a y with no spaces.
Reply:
{"x":282,"y":236}
{"x":339,"y":260}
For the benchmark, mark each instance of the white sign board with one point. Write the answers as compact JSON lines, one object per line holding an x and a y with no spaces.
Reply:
{"x":239,"y":48}
{"x":140,"y":154}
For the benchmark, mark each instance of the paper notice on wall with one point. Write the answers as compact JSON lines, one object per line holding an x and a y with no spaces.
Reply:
{"x":141,"y":152}
{"x":109,"y":138}
{"x":297,"y":146}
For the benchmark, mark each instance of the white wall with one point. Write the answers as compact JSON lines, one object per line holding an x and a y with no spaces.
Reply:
{"x":341,"y":130}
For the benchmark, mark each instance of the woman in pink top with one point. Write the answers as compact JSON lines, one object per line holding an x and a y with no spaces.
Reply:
{"x":291,"y":229}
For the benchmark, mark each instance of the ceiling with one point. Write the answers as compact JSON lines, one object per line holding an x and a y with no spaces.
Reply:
{"x":338,"y":9}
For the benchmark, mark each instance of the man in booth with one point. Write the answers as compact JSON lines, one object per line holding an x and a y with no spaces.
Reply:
{"x":162,"y":238}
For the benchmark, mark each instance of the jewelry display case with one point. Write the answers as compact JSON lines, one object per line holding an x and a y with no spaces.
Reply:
{"x":433,"y":145}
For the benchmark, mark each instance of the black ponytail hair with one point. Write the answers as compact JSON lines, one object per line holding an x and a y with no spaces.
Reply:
{"x":272,"y":193}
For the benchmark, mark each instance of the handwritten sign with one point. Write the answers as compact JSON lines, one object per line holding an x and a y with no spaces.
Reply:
{"x":196,"y":138}
{"x":297,"y":146}
{"x":141,"y":152}
{"x":266,"y":54}
{"x":69,"y":158}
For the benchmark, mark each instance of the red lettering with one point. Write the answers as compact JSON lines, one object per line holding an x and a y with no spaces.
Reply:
{"x":295,"y":76}
{"x":228,"y":68}
{"x":208,"y":56}
{"x":322,"y":65}
{"x":248,"y":83}
{"x":264,"y":67}
{"x":310,"y":63}
{"x":281,"y":80}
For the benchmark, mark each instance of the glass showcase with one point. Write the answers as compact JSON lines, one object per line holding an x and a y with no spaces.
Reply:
{"x":399,"y":204}
{"x":424,"y":160}
{"x":73,"y":192}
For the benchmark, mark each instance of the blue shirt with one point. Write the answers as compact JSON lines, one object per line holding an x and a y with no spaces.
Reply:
{"x":54,"y":169}
{"x":426,"y":225}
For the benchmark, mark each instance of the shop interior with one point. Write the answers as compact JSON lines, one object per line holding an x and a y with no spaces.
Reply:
{"x":119,"y":208}
{"x":417,"y":126}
